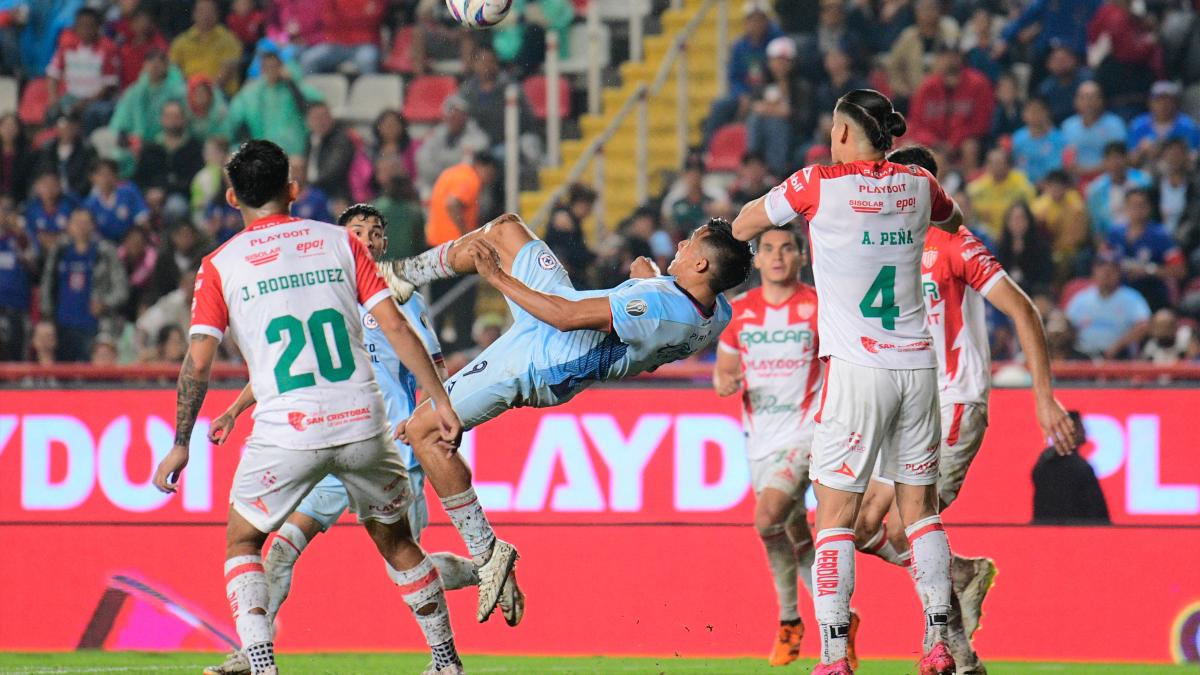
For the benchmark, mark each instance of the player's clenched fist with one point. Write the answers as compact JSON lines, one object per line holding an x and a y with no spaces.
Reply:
{"x":643,"y":268}
{"x":166,"y":476}
{"x":487,"y":259}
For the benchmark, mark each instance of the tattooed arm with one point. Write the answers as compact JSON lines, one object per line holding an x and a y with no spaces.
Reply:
{"x":189,"y":396}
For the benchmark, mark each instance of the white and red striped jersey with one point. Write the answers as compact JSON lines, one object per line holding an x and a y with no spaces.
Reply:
{"x":867,"y":222}
{"x":957,"y":271}
{"x":778,"y":347}
{"x":289,"y":291}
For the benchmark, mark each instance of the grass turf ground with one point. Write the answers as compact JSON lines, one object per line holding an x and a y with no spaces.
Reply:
{"x":372,"y":664}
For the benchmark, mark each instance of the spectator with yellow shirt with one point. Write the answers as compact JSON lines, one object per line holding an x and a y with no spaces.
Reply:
{"x":1061,"y":209}
{"x":208,"y":48}
{"x":998,"y":188}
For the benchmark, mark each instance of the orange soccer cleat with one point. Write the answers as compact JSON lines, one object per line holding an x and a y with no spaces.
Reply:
{"x":851,"y":652}
{"x":787,"y":644}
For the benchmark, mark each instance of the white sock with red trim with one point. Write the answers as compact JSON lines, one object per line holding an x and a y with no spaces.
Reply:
{"x":467,"y":515}
{"x":931,"y":574}
{"x":246,"y":588}
{"x":833,"y":579}
{"x":781,"y":559}
{"x":421,"y":588}
{"x":428,"y":266}
{"x":281,"y":557}
{"x":881,"y":546}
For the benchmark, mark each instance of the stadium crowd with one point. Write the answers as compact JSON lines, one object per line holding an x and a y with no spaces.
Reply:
{"x":1064,"y":128}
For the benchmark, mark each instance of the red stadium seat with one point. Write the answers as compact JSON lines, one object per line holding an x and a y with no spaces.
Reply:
{"x":400,"y":60}
{"x":726,"y":149}
{"x":535,"y":91}
{"x":34,"y":101}
{"x":423,"y":101}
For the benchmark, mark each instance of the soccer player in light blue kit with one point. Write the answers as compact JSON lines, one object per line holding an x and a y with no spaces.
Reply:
{"x":328,"y":500}
{"x":563,"y":340}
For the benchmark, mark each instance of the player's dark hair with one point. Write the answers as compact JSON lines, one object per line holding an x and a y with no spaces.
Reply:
{"x":873,"y":112}
{"x":730,"y":258}
{"x":915,"y":154}
{"x":258,"y":172}
{"x":361,"y":210}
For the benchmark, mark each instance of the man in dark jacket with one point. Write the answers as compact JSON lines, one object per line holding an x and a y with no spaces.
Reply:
{"x":172,"y":160}
{"x":330,"y":153}
{"x":69,"y":155}
{"x":1065,"y":488}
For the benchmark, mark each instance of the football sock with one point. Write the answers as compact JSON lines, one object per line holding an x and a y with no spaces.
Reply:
{"x":833,"y":579}
{"x":805,"y":554}
{"x":428,"y":266}
{"x":456,"y":571}
{"x":781,"y":558}
{"x":246,"y":588}
{"x":931,"y":573}
{"x":281,"y":557}
{"x":881,"y":546}
{"x":421,"y":588}
{"x":467,"y":515}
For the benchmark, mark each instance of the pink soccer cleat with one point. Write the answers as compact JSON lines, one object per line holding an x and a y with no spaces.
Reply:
{"x":937,"y":662}
{"x":841,"y":667}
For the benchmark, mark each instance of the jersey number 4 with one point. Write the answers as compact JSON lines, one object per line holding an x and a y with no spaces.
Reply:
{"x":883,"y":288}
{"x":296,"y":341}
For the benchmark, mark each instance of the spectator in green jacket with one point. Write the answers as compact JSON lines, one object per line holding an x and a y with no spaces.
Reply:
{"x":271,"y":107}
{"x":140,"y":107}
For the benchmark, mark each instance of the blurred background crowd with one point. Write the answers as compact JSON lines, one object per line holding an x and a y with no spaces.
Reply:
{"x":1065,"y":129}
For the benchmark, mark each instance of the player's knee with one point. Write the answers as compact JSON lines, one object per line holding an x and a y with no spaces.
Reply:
{"x":509,"y":229}
{"x":864,"y":531}
{"x":769,"y":516}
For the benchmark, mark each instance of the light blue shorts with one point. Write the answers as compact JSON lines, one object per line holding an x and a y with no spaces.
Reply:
{"x":328,"y":501}
{"x":499,"y":378}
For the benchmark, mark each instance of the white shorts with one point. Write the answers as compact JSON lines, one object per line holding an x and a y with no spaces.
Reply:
{"x":271,"y":481}
{"x":329,"y":500}
{"x":784,"y":470}
{"x":963,"y":426}
{"x":876,"y":413}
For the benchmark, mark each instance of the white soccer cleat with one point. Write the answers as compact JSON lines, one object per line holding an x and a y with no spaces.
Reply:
{"x":966,"y":661}
{"x":452,"y":669}
{"x":512,"y":600}
{"x":972,"y":579}
{"x":492,"y":576}
{"x":401,"y":288}
{"x":235,"y":664}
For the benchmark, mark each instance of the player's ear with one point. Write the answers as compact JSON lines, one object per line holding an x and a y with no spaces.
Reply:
{"x":231,"y":198}
{"x":293,"y":191}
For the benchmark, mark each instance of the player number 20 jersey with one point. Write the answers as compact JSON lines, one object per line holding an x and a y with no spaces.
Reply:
{"x":957,"y":271}
{"x":289,"y":290}
{"x":778,"y":348}
{"x":867,"y":222}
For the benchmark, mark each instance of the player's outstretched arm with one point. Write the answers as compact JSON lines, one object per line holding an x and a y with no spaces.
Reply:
{"x":1052,"y":416}
{"x":412,"y":354}
{"x":727,"y":375}
{"x":563,"y":314}
{"x":189,"y":396}
{"x":221,"y":427}
{"x":752,"y":220}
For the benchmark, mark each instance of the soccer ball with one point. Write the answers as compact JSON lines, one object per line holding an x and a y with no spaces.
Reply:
{"x":479,"y":14}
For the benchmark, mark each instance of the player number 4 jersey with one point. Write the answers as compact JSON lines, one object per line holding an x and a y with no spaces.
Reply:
{"x":289,"y":290}
{"x":867,"y":222}
{"x":957,"y":271}
{"x":778,"y":348}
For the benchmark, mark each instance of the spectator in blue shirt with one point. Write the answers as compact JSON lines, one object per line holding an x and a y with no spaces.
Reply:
{"x":116,"y":206}
{"x":1059,"y":87}
{"x":1037,"y":147}
{"x":83,"y":285}
{"x":1111,"y":320}
{"x":17,"y":271}
{"x":1106,"y":194}
{"x":312,"y":203}
{"x":1090,"y":129}
{"x":48,"y":208}
{"x":1061,"y":22}
{"x":747,"y":68}
{"x":1150,"y":260}
{"x":1164,"y":121}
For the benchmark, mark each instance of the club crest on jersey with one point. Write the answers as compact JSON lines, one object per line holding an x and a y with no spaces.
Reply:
{"x":929,"y":257}
{"x":805,"y":310}
{"x":296,"y":419}
{"x":369,"y":321}
{"x":636,"y":307}
{"x":547,"y":260}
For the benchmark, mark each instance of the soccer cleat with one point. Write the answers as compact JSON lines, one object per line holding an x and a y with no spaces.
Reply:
{"x":851,"y":651}
{"x":492,"y":576}
{"x":841,"y":667}
{"x":937,"y":662}
{"x":965,"y":659}
{"x":787,"y":644}
{"x":452,"y":669}
{"x":235,"y":664}
{"x":402,"y":289}
{"x":973,"y":578}
{"x":512,"y":600}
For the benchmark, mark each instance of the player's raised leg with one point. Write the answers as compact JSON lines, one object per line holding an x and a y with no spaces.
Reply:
{"x":507,"y":234}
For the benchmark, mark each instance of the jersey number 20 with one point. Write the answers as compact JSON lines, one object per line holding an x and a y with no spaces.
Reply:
{"x":884,"y":288}
{"x":296,"y":340}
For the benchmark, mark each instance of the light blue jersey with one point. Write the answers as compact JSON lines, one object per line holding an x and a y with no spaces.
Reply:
{"x":654,"y":322}
{"x":328,"y":500}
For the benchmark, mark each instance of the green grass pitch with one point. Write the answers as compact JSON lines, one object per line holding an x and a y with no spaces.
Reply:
{"x":392,"y":664}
